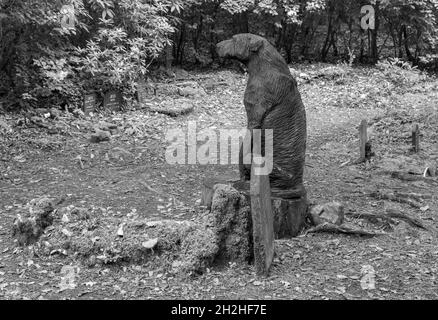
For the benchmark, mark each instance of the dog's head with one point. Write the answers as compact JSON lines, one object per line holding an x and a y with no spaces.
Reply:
{"x":241,"y":46}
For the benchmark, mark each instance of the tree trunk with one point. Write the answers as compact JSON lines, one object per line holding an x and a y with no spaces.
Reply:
{"x":408,"y":51}
{"x":400,"y":43}
{"x":418,"y":45}
{"x":326,"y":46}
{"x":288,"y":43}
{"x":169,"y":57}
{"x":197,"y":34}
{"x":181,"y":45}
{"x":374,"y":34}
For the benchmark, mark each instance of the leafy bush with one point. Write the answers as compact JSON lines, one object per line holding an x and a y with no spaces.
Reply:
{"x":58,"y":84}
{"x":400,"y":73}
{"x":429,"y":62}
{"x":129,"y":37}
{"x":51,"y":52}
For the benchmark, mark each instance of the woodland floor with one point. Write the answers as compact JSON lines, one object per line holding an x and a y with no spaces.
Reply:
{"x":115,"y":175}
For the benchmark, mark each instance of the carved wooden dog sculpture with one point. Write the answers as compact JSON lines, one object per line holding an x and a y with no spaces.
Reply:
{"x":272,"y":101}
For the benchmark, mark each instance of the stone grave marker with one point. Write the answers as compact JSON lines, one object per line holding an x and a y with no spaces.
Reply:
{"x":142,"y":92}
{"x":89,"y":103}
{"x":112,"y":101}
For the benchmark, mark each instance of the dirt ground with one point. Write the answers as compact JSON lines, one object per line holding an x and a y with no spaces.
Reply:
{"x":129,"y":175}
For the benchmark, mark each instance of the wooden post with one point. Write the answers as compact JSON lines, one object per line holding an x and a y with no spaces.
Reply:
{"x":363,"y":138}
{"x":262,"y":218}
{"x":263,"y":223}
{"x":416,"y":138}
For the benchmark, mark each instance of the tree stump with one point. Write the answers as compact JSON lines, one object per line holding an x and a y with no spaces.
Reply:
{"x":230,"y":222}
{"x":29,"y":226}
{"x":289,"y":214}
{"x":208,"y":189}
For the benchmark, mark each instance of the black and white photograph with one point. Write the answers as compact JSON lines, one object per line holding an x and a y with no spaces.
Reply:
{"x":204,"y":151}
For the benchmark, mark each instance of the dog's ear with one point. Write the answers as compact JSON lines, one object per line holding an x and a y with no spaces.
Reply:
{"x":255,"y":45}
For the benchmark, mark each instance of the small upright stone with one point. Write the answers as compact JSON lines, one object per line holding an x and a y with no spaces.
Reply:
{"x":113,"y":101}
{"x":89,"y":103}
{"x":141,"y":92}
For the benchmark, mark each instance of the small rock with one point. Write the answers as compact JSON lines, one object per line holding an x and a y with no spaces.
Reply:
{"x":368,"y":281}
{"x":91,"y":261}
{"x":120,"y":232}
{"x":41,"y":111}
{"x":67,"y":233}
{"x":187,"y":92}
{"x":180,"y":74}
{"x":106,"y":126}
{"x":5,"y":126}
{"x":78,"y":113}
{"x":431,"y":170}
{"x":100,"y":136}
{"x":331,"y":212}
{"x":36,"y":119}
{"x":55,"y":113}
{"x":151,"y":244}
{"x":68,"y":278}
{"x":176,"y":266}
{"x":121,"y":154}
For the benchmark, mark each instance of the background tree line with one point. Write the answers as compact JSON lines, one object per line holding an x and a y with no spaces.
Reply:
{"x":52,"y":51}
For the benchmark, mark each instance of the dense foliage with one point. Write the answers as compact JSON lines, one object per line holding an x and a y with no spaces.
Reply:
{"x":53,"y":51}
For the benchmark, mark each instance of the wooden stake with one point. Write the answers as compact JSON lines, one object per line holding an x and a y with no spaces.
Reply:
{"x":363,"y":139}
{"x":416,"y":138}
{"x":262,"y":218}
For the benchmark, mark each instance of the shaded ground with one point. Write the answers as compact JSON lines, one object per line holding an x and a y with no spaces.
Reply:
{"x":129,"y":175}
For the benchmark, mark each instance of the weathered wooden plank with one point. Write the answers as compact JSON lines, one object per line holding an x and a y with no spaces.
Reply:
{"x":263,"y":222}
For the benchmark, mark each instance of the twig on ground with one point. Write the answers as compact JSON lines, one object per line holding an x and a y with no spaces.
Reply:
{"x":389,"y":216}
{"x":371,"y":217}
{"x":331,"y":228}
{"x":393,"y":213}
{"x":409,"y":177}
{"x":176,"y":201}
{"x":395,"y":197}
